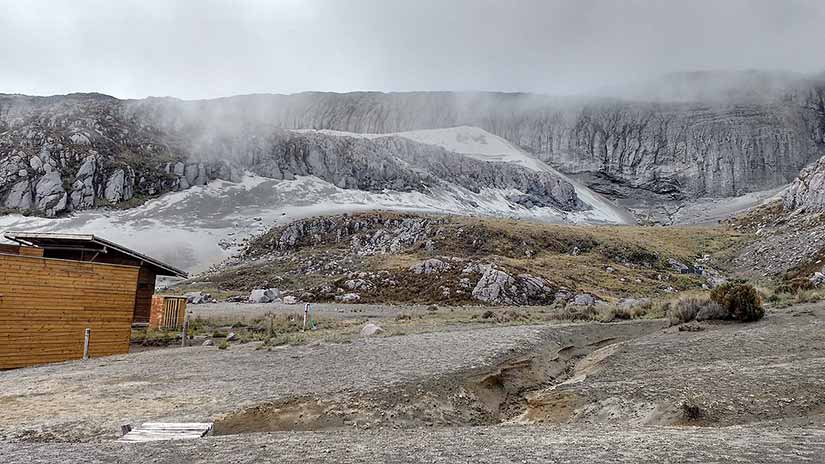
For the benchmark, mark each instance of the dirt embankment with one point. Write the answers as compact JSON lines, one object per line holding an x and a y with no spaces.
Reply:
{"x":479,"y":396}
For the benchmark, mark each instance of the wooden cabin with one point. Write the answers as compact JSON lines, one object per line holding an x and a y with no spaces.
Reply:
{"x":55,"y":286}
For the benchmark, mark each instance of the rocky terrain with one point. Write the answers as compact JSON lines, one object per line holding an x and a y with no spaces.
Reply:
{"x":789,"y":233}
{"x":78,"y":151}
{"x":711,"y":146}
{"x":414,"y":258}
{"x":60,"y":154}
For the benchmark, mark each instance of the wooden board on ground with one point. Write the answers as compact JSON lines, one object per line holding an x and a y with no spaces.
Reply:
{"x":160,"y":431}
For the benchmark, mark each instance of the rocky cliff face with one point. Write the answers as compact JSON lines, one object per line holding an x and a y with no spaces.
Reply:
{"x":676,"y":150}
{"x":72,"y":152}
{"x":60,"y":154}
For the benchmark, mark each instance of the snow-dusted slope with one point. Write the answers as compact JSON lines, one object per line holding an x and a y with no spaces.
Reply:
{"x":198,"y":227}
{"x":479,"y":144}
{"x":201,"y":226}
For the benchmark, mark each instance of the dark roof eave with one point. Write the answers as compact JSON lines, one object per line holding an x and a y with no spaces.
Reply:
{"x":31,"y":239}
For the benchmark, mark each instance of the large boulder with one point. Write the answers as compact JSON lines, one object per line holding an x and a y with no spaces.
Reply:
{"x":494,"y":287}
{"x":20,"y":196}
{"x":50,"y":196}
{"x":83,"y":188}
{"x":264,"y":295}
{"x":198,"y":297}
{"x":499,"y":287}
{"x":120,"y":185}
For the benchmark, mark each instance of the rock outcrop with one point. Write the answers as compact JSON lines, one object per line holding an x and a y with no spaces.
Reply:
{"x":808,"y":190}
{"x":107,"y":150}
{"x":499,"y":287}
{"x":682,"y":149}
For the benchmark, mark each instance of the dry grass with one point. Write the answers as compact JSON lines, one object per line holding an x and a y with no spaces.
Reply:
{"x":637,"y":255}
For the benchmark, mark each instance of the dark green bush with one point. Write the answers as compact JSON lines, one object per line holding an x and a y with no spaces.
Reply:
{"x":740,"y":300}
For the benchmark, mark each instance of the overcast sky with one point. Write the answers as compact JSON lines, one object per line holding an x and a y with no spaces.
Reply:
{"x":211,"y":48}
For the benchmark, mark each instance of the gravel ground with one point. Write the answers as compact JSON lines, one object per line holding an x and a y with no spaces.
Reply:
{"x":239,"y":311}
{"x":79,"y":400}
{"x":766,"y":443}
{"x":758,"y":386}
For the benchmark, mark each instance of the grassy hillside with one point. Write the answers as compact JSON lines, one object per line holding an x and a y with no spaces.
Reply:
{"x":371,"y":254}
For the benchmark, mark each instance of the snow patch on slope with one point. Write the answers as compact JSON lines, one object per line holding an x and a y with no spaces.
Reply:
{"x":479,"y":144}
{"x":203,"y":225}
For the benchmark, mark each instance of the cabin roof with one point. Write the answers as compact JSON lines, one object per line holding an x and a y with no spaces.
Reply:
{"x":89,"y":242}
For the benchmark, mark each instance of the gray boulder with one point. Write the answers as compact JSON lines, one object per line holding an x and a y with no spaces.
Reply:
{"x":370,"y":330}
{"x":494,"y":286}
{"x":198,"y":297}
{"x":678,"y":266}
{"x":348,"y":298}
{"x":264,"y":295}
{"x":120,"y":185}
{"x":83,"y":188}
{"x":290,"y":300}
{"x":584,"y":299}
{"x":50,"y":197}
{"x":499,"y":287}
{"x":20,"y":196}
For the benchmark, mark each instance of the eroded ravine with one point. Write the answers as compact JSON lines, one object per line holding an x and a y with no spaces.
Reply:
{"x":483,"y":396}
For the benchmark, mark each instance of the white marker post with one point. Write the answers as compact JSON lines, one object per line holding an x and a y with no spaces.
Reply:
{"x":184,"y":335}
{"x":86,"y":343}
{"x":306,"y":316}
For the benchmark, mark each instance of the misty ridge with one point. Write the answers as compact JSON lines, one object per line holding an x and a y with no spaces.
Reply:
{"x":685,"y":136}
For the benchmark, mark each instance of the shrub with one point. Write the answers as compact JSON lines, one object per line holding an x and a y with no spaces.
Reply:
{"x":692,"y":410}
{"x":740,"y":300}
{"x":684,"y":310}
{"x":622,"y":313}
{"x":712,"y":310}
{"x":224,"y":345}
{"x":808,"y":296}
{"x":699,"y":309}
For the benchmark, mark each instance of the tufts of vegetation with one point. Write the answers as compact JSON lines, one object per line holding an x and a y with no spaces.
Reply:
{"x":223,"y":345}
{"x":692,"y":410}
{"x":154,"y":337}
{"x":740,"y":300}
{"x":695,"y":309}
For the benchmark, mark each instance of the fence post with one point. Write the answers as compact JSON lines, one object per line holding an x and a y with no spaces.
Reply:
{"x":86,"y":343}
{"x":184,"y":335}
{"x":306,"y":313}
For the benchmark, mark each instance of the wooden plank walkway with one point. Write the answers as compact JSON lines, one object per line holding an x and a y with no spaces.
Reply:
{"x":159,"y":431}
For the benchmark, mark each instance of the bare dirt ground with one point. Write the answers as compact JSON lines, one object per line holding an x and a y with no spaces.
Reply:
{"x":527,"y":393}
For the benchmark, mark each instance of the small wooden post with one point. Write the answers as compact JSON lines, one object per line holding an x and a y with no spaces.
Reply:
{"x":184,"y":335}
{"x":306,"y":314}
{"x":86,"y":343}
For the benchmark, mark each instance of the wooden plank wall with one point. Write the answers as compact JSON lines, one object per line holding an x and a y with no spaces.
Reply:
{"x":46,"y":305}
